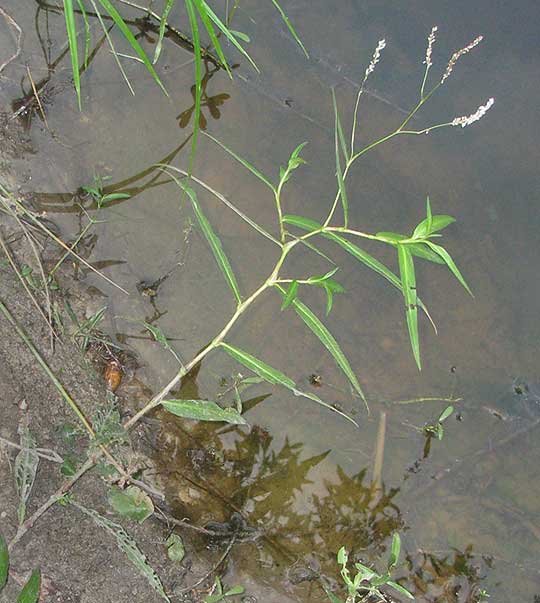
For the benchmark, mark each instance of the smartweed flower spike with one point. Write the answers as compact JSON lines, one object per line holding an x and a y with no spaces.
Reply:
{"x":429,"y":50}
{"x":458,"y":54}
{"x":467,"y":120}
{"x":375,"y":58}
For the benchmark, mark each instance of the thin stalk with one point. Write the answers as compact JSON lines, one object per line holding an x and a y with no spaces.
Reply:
{"x":241,"y":308}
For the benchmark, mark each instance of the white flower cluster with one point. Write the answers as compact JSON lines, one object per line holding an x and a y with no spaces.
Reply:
{"x":429,"y":50}
{"x":467,"y":120}
{"x":459,"y":54}
{"x":375,"y":58}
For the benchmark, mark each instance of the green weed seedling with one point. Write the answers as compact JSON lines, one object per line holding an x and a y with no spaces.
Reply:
{"x":367,"y":583}
{"x":96,"y":191}
{"x":219,"y":594}
{"x":30,"y":591}
{"x":436,"y":429}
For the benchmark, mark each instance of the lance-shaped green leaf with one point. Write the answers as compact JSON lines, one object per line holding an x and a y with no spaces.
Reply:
{"x":213,"y":241}
{"x":30,"y":591}
{"x":122,"y":26}
{"x":394,"y":552}
{"x":290,"y":27}
{"x":400,"y":589}
{"x":71,"y":29}
{"x":357,"y":252}
{"x":338,"y":135}
{"x":450,"y":263}
{"x":328,"y":340}
{"x":223,"y":28}
{"x":291,"y":294}
{"x":276,"y":377}
{"x":244,"y":162}
{"x":424,"y":229}
{"x":203,"y":410}
{"x":4,"y":562}
{"x":421,"y":250}
{"x":162,"y":26}
{"x":212,"y":34}
{"x":408,"y":283}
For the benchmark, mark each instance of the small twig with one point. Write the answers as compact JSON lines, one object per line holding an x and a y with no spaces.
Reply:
{"x":213,"y":569}
{"x":36,"y":95}
{"x":44,"y":453}
{"x":58,"y":495}
{"x":11,"y":21}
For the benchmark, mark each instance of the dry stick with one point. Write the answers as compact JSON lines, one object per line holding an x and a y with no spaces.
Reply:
{"x":379,"y":454}
{"x":36,"y":95}
{"x":15,"y":26}
{"x":39,"y":263}
{"x":23,"y":282}
{"x":58,"y":495}
{"x":213,"y":569}
{"x":44,"y":453}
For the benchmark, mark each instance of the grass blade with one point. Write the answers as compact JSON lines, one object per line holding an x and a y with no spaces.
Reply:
{"x":71,"y":29}
{"x":450,"y":263}
{"x":128,"y":546}
{"x":328,"y":340}
{"x":290,"y":27}
{"x":203,"y":410}
{"x":408,"y":283}
{"x":339,"y":173}
{"x":87,"y":37}
{"x":126,"y":32}
{"x":198,"y":80}
{"x":275,"y":377}
{"x":30,"y":591}
{"x":339,"y":129}
{"x":210,"y":29}
{"x":212,"y":238}
{"x":291,"y":294}
{"x":245,"y":163}
{"x":162,"y":26}
{"x":4,"y":562}
{"x":223,"y":28}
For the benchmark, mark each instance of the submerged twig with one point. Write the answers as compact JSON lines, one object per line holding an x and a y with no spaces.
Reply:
{"x":379,"y":453}
{"x":11,"y":21}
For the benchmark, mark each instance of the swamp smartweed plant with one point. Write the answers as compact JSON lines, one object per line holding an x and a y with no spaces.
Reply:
{"x":418,"y":244}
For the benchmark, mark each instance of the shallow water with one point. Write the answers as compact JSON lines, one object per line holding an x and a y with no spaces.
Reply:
{"x":468,"y":508}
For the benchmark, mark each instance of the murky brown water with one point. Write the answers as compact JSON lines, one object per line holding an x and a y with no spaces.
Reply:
{"x":468,"y":513}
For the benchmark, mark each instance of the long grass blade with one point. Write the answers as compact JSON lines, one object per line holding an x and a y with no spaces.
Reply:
{"x":30,"y":591}
{"x":198,"y":80}
{"x":162,"y":27}
{"x":223,"y":28}
{"x":290,"y":27}
{"x":126,"y":32}
{"x":276,"y":377}
{"x":87,"y":36}
{"x":408,"y":283}
{"x":201,"y":9}
{"x":245,"y":163}
{"x":328,"y":340}
{"x":339,"y":173}
{"x":4,"y":562}
{"x":212,"y":238}
{"x":71,"y":29}
{"x":339,"y":128}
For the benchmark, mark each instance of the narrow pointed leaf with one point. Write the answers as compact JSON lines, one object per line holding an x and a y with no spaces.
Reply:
{"x":302,"y":222}
{"x":87,"y":36}
{"x":71,"y":29}
{"x":394,"y":553}
{"x":162,"y":26}
{"x":400,"y":589}
{"x":328,"y":340}
{"x":203,"y":410}
{"x":276,"y":377}
{"x":421,"y":250}
{"x":408,"y":283}
{"x":339,"y":128}
{"x":4,"y":562}
{"x":213,"y":241}
{"x":446,"y":413}
{"x":424,"y":229}
{"x":126,"y":32}
{"x":290,"y":27}
{"x":291,"y":294}
{"x":450,"y":263}
{"x":30,"y":591}
{"x":211,"y":33}
{"x":390,"y":237}
{"x":339,"y":173}
{"x":429,"y":216}
{"x":223,"y":28}
{"x":245,"y":163}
